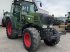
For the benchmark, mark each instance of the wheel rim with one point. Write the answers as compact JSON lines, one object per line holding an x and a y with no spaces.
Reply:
{"x":9,"y":28}
{"x":27,"y":40}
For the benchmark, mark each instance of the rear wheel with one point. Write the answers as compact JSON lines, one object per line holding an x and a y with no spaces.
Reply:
{"x":10,"y":31}
{"x":31,"y":39}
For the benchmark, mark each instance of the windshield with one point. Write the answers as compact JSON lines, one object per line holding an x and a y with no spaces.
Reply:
{"x":28,"y":7}
{"x":32,"y":8}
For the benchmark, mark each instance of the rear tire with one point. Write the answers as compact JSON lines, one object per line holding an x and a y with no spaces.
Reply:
{"x":34,"y":37}
{"x":10,"y":31}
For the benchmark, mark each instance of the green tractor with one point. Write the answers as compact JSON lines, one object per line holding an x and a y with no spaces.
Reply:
{"x":31,"y":26}
{"x":67,"y":23}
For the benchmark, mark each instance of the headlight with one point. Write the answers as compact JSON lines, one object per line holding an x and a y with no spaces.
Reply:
{"x":28,"y":18}
{"x":44,"y":26}
{"x":51,"y":26}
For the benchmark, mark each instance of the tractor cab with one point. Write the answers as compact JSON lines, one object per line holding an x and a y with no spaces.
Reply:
{"x":28,"y":7}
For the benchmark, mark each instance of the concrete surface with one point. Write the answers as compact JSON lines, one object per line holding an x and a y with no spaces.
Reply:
{"x":16,"y":45}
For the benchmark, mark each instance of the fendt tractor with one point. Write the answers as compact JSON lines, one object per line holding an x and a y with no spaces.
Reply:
{"x":67,"y":23}
{"x":31,"y":26}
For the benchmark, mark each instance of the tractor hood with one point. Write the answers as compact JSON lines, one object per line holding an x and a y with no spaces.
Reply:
{"x":45,"y":18}
{"x":42,"y":18}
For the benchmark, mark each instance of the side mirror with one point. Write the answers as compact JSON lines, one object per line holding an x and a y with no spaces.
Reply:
{"x":40,"y":4}
{"x":35,"y":8}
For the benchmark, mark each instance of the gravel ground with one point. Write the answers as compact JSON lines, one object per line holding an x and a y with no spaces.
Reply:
{"x":16,"y":45}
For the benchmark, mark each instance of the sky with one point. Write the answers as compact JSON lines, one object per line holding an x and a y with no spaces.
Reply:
{"x":56,"y":7}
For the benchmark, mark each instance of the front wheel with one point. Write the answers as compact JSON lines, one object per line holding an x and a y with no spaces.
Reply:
{"x":31,"y":39}
{"x":52,"y":42}
{"x":53,"y":39}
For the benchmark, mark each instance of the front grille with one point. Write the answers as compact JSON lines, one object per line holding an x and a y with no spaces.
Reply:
{"x":36,"y":19}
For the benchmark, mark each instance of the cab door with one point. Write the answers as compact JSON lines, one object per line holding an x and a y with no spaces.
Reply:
{"x":24,"y":12}
{"x":16,"y":14}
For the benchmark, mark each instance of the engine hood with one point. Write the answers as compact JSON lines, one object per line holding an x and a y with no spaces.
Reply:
{"x":43,"y":18}
{"x":46,"y":19}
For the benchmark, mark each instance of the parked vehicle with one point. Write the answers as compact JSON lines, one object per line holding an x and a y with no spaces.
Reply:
{"x":67,"y":23}
{"x":33,"y":27}
{"x":5,"y":15}
{"x":57,"y":21}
